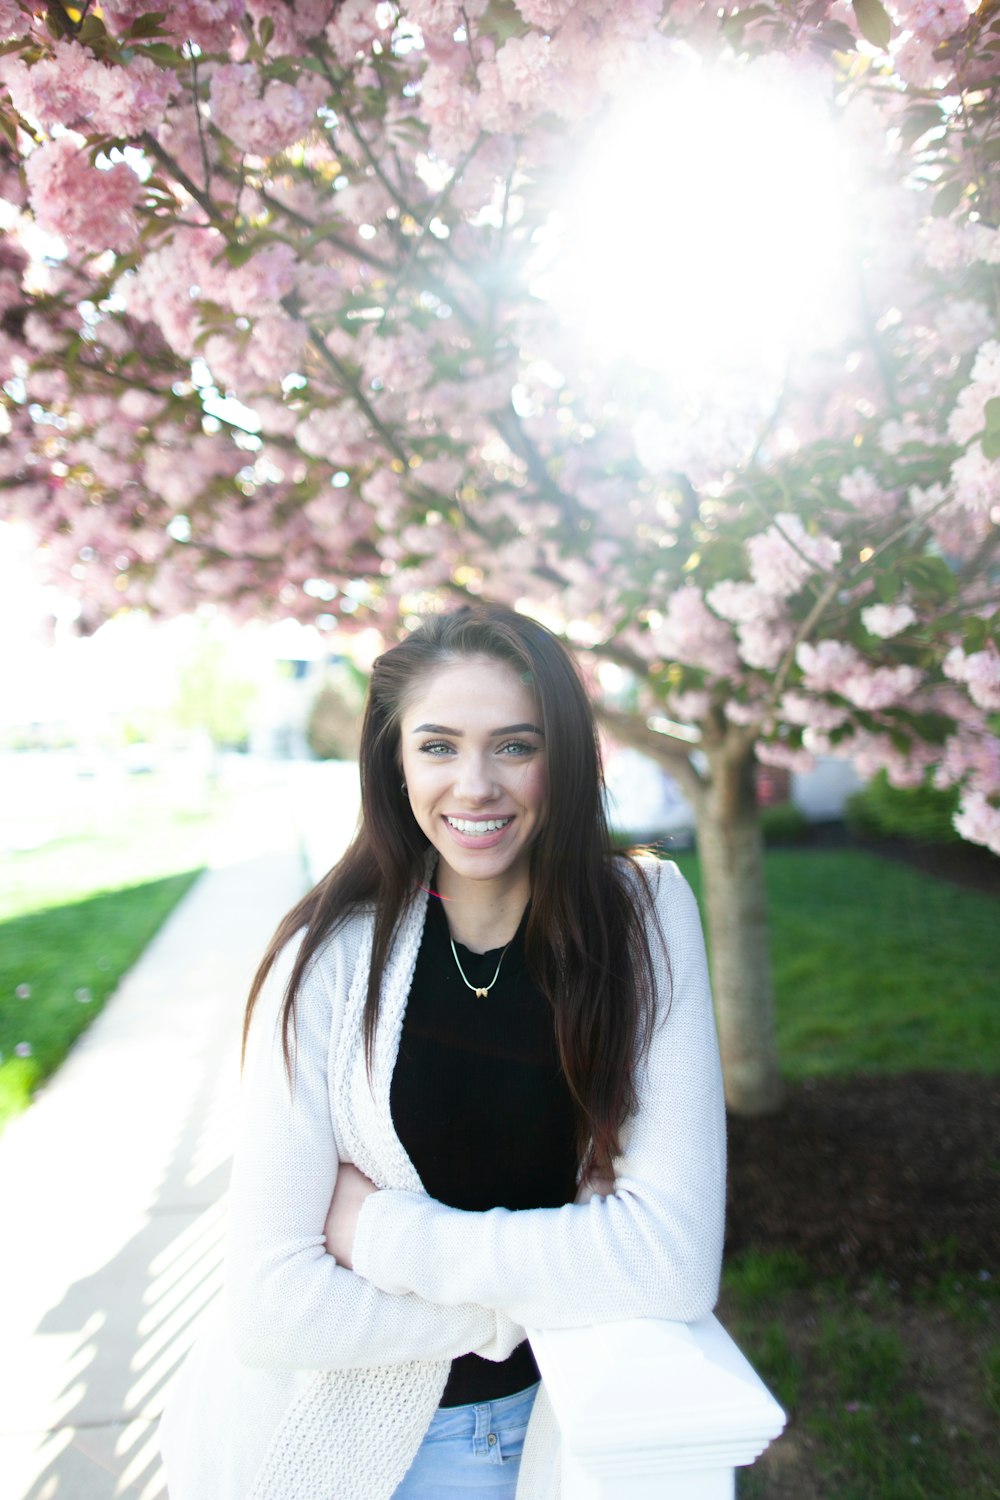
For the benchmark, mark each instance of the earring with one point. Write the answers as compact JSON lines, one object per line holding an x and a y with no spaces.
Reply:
{"x":402,"y":788}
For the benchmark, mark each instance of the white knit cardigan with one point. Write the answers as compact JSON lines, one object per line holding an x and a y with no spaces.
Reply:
{"x":312,"y":1382}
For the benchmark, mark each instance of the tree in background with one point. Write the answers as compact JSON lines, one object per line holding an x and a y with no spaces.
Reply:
{"x":214,"y":696}
{"x":292,"y":318}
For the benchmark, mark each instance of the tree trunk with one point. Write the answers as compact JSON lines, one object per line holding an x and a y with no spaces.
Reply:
{"x":731,"y":856}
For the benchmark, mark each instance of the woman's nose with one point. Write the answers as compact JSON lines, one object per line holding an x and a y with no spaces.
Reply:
{"x":474,"y":781}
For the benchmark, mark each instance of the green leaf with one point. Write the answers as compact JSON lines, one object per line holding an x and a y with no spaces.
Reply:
{"x":149,"y":24}
{"x":975,"y":634}
{"x":92,"y":30}
{"x":162,"y":53}
{"x":947,"y":199}
{"x":917,"y":121}
{"x":933,"y":728}
{"x":873,"y":22}
{"x":501,"y":20}
{"x":266,"y":31}
{"x":930,"y":576}
{"x":887,"y":586}
{"x":993,"y":414}
{"x":991,"y":444}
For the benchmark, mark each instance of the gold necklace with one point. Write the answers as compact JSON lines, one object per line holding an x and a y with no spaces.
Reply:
{"x":481,"y":991}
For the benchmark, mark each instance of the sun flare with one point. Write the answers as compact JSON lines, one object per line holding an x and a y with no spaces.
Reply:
{"x":706,"y":230}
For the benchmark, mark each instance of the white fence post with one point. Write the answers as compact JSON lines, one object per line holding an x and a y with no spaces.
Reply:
{"x":653,"y":1410}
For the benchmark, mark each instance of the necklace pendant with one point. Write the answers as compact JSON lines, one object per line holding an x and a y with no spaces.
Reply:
{"x":481,"y":994}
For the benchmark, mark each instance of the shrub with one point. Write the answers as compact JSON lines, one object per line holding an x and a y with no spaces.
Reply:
{"x":922,"y":814}
{"x":784,"y":823}
{"x":333,"y":731}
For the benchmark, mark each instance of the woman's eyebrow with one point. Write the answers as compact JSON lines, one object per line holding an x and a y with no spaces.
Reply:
{"x":494,"y":733}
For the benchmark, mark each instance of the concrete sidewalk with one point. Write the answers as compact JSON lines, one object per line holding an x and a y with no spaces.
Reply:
{"x":110,"y":1188}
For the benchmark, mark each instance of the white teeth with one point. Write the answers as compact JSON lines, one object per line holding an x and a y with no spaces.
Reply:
{"x":488,"y":825}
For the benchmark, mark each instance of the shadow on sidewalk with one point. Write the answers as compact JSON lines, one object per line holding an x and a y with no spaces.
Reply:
{"x":136,"y":1316}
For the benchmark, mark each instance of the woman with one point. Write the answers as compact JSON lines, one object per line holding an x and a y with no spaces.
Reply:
{"x":481,"y":1093}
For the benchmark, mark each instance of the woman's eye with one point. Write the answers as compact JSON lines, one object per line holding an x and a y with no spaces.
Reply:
{"x":517,"y":747}
{"x":436,"y":748}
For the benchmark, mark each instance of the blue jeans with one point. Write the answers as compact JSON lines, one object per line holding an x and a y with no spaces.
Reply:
{"x":471,"y":1450}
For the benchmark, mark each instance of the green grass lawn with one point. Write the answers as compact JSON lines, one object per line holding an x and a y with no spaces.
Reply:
{"x":77,"y":911}
{"x":58,"y":967}
{"x":888,"y":1399}
{"x":878,"y":967}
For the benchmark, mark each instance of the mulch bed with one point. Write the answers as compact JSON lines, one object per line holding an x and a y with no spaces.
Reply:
{"x":893,"y":1174}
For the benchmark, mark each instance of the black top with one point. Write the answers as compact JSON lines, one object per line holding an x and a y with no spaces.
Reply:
{"x":481,"y":1106}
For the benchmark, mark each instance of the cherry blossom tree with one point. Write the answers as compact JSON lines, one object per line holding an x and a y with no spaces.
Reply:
{"x":272,"y":334}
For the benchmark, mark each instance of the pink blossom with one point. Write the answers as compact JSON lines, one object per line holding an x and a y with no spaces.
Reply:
{"x":986,"y":365}
{"x":797,"y":708}
{"x":871,"y":753}
{"x":933,"y":21}
{"x":968,"y":417}
{"x":978,"y":820}
{"x":525,"y":71}
{"x":887,"y":620}
{"x":276,"y":348}
{"x":861,"y":489}
{"x":13,"y":20}
{"x":918,"y":64}
{"x":970,"y":756}
{"x":692,"y":635}
{"x":294,"y":21}
{"x":826,"y":664}
{"x":56,"y":90}
{"x":944,"y":243}
{"x":893,"y":437}
{"x":263,"y":121}
{"x":741,"y":601}
{"x":44,"y":334}
{"x":353,"y":29}
{"x":763,"y":642}
{"x":783,"y":556}
{"x":73,"y":89}
{"x":787,"y":757}
{"x":451,"y":110}
{"x":962,"y":323}
{"x":689,"y":706}
{"x":980,"y":671}
{"x":879,"y":687}
{"x":268,"y":276}
{"x":440,"y":18}
{"x":976,"y":479}
{"x":90,"y":209}
{"x":983,"y":243}
{"x":738,"y":712}
{"x":329,"y":432}
{"x":210,"y":23}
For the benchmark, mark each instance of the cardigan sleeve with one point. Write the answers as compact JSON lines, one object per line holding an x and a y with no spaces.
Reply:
{"x":653,"y":1247}
{"x":290,"y":1305}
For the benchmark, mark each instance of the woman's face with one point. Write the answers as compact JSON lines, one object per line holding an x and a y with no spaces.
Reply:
{"x":474,"y":763}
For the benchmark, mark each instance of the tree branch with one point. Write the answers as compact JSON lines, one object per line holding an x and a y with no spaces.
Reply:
{"x":203,"y":199}
{"x":672,"y":754}
{"x":347,"y":382}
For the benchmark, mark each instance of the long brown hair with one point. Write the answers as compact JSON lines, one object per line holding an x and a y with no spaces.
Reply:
{"x":586,"y":940}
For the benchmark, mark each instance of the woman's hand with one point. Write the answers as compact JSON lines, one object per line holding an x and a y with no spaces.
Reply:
{"x":351,"y":1190}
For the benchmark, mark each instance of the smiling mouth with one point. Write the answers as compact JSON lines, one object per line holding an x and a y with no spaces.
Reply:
{"x":477,"y":825}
